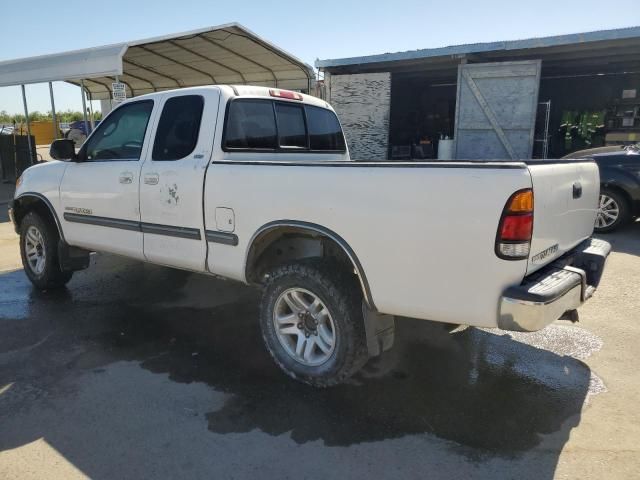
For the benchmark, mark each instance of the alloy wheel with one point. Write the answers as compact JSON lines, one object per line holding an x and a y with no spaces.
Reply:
{"x":608,"y":211}
{"x":304,"y":326}
{"x":34,"y":250}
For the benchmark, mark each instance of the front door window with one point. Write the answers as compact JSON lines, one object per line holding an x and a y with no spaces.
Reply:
{"x":121,"y":135}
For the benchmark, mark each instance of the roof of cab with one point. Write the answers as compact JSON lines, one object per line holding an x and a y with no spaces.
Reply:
{"x":257,"y":91}
{"x":239,"y":91}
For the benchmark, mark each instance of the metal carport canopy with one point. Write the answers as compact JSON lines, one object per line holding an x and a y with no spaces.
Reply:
{"x":226,"y":54}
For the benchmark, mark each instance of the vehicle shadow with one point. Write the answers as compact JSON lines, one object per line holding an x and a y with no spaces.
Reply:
{"x":484,"y":394}
{"x":625,"y":240}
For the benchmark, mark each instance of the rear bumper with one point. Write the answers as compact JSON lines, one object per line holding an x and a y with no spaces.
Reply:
{"x":561,"y":286}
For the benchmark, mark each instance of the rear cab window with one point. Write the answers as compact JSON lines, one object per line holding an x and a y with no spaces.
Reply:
{"x":275,"y":126}
{"x":325,"y":132}
{"x":250,"y":125}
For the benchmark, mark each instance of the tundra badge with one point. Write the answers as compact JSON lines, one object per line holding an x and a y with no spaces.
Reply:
{"x":544,"y":254}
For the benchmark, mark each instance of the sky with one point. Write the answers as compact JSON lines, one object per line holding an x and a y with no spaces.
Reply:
{"x":308,"y":30}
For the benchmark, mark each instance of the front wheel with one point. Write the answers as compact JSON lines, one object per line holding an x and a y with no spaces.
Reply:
{"x":312,"y":324}
{"x":39,"y":251}
{"x":613,"y":211}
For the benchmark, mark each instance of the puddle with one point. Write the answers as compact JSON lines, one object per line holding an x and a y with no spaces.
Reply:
{"x":477,"y":388}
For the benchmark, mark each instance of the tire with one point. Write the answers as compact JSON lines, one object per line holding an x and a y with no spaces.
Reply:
{"x":611,"y":202}
{"x":39,"y":239}
{"x":339,"y":343}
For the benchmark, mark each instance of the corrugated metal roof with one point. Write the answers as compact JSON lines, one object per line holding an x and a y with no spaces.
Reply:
{"x":225,"y":54}
{"x":475,"y":48}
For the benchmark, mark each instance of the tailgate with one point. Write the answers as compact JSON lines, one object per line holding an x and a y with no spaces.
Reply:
{"x":565,"y":202}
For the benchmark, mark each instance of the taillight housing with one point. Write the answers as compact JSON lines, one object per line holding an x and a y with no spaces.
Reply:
{"x":288,"y":94}
{"x":513,"y":240}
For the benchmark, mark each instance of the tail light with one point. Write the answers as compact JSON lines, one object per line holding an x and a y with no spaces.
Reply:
{"x":513,"y":240}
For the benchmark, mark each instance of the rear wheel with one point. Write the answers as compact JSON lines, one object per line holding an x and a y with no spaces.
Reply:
{"x":613,"y":211}
{"x":39,"y":251}
{"x":312,"y":324}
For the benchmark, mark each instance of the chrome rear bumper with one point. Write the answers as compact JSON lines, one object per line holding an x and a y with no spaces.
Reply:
{"x":561,"y":286}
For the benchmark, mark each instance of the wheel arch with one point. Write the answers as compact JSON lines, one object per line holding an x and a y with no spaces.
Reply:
{"x":624,"y":183}
{"x":620,"y":189}
{"x":270,"y":234}
{"x":31,"y":201}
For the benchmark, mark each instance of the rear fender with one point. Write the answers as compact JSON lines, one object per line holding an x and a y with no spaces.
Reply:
{"x":623,"y":181}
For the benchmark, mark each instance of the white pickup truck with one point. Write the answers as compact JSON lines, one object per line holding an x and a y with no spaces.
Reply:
{"x":256,"y":184}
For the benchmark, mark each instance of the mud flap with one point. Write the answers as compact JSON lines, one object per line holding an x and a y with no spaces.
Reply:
{"x":72,"y":258}
{"x":380,"y":331}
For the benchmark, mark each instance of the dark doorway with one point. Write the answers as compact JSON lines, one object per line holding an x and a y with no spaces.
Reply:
{"x":422,"y":111}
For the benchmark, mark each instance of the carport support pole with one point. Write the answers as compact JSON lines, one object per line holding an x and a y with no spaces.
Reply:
{"x":84,"y":109}
{"x":91,"y":120}
{"x":53,"y":113}
{"x":26,"y":118}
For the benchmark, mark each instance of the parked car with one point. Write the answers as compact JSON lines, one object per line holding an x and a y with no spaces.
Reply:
{"x":6,"y":129}
{"x":619,"y":184}
{"x":256,"y":185}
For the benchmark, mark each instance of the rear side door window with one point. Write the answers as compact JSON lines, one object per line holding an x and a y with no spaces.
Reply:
{"x":178,"y":128}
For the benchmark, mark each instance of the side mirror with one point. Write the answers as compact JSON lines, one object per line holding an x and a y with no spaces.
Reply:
{"x":63,"y":150}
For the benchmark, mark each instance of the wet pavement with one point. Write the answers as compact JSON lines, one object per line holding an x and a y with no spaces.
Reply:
{"x":138,"y":371}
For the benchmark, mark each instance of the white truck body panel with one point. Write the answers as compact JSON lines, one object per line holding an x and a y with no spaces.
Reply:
{"x":384,"y":211}
{"x":95,"y":188}
{"x":171,"y":192}
{"x":560,"y":221}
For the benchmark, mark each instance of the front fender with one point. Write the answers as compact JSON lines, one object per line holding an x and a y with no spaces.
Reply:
{"x":39,"y":184}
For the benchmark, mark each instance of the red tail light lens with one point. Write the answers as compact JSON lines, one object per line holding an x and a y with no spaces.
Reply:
{"x":513,"y":239}
{"x":289,"y":95}
{"x":517,"y":227}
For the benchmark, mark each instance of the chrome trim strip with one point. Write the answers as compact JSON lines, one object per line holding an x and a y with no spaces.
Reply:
{"x":224,"y":238}
{"x":355,"y":164}
{"x":102,"y":221}
{"x":151,"y":228}
{"x":171,"y":231}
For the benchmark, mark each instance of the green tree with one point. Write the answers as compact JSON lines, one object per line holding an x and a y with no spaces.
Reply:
{"x":66,"y":116}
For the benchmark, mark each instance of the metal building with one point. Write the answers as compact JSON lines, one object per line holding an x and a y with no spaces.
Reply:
{"x":540,"y":97}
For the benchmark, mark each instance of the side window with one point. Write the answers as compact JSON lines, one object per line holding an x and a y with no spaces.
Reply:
{"x":121,"y":135}
{"x":178,"y":128}
{"x":324,"y":130}
{"x":292,"y":132}
{"x":250,"y":124}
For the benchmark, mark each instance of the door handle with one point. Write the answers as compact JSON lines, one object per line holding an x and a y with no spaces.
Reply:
{"x":126,"y":178}
{"x":151,"y":179}
{"x":577,"y":190}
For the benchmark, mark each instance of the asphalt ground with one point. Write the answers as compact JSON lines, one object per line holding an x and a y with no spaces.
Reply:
{"x":138,"y":371}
